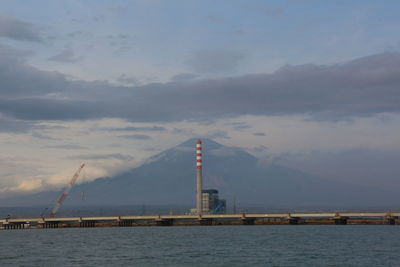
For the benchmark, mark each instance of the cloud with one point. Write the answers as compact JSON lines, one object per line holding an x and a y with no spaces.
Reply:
{"x":217,"y":20}
{"x":66,"y":56}
{"x":358,"y":88}
{"x":20,"y":80}
{"x":44,"y":137}
{"x":102,"y":156}
{"x":273,"y":12}
{"x":68,"y":146}
{"x":259,"y":134}
{"x":133,"y":129}
{"x":215,"y":60}
{"x":136,"y":137}
{"x":218,"y":135}
{"x":184,"y":77}
{"x":239,"y":125}
{"x":15,"y":126}
{"x":16,"y":29}
{"x":128,"y":80}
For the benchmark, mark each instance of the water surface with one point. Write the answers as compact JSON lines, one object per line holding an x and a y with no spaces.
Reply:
{"x":267,"y":245}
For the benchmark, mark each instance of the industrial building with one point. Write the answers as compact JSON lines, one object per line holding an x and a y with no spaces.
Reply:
{"x":212,"y":203}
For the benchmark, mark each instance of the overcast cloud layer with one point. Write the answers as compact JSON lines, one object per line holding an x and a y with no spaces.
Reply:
{"x":17,"y":29}
{"x":361,"y":87}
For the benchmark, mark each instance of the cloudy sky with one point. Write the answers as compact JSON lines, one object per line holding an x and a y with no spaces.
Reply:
{"x":314,"y":85}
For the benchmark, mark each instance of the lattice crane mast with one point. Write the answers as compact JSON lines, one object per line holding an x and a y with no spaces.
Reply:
{"x":64,"y":195}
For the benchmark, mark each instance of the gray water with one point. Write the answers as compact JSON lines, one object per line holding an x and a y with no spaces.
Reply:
{"x":325,"y":245}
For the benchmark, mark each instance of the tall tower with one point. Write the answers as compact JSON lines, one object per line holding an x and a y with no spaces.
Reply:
{"x":199,"y":178}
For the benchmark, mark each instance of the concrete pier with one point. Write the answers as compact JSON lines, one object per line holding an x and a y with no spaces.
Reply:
{"x":341,"y":218}
{"x":9,"y":226}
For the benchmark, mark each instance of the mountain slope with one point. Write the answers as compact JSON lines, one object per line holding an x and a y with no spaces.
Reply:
{"x":169,"y":179}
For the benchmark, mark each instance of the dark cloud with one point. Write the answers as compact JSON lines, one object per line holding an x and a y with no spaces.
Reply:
{"x":259,"y":134}
{"x":136,"y":136}
{"x":361,"y":87}
{"x":215,"y":61}
{"x":49,"y":109}
{"x":10,"y":56}
{"x":20,"y":80}
{"x":15,"y":126}
{"x":16,"y":29}
{"x":66,"y":56}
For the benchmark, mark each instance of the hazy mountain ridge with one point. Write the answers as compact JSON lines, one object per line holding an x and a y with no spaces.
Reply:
{"x":168,"y":178}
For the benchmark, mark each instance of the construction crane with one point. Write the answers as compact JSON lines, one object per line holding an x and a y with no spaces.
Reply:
{"x":64,"y":195}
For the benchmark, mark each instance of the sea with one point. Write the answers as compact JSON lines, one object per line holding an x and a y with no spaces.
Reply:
{"x":256,"y":245}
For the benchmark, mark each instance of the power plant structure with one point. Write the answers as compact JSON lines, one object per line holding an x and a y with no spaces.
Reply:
{"x":207,"y":201}
{"x":199,"y":178}
{"x":212,"y":203}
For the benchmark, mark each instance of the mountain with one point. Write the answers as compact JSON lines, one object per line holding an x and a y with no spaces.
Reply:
{"x":168,"y":178}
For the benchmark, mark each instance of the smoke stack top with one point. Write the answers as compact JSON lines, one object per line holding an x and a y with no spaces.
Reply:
{"x":198,"y":154}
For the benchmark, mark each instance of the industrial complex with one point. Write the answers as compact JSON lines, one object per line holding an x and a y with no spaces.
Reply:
{"x":209,"y":210}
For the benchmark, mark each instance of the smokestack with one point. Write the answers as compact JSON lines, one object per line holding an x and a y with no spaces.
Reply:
{"x":199,"y":176}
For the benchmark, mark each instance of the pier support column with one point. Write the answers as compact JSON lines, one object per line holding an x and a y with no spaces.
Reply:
{"x":126,"y":223}
{"x":13,"y":226}
{"x":50,"y":225}
{"x":205,"y":221}
{"x":340,"y":220}
{"x":87,"y":224}
{"x":164,"y":222}
{"x":247,"y":221}
{"x":390,"y":220}
{"x":293,"y":220}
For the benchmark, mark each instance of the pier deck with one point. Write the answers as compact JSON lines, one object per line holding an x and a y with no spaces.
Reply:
{"x":205,"y":219}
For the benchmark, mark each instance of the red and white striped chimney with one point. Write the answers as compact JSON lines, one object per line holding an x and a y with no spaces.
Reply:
{"x":199,"y":189}
{"x":198,"y":154}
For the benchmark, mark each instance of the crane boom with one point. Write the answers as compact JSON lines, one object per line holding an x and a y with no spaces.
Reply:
{"x":64,"y":195}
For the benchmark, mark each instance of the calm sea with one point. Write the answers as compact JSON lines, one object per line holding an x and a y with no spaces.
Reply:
{"x":326,"y":245}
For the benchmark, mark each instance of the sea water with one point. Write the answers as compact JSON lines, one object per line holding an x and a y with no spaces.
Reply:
{"x":267,"y":245}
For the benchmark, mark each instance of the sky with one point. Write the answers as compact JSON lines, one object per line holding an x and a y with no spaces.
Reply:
{"x":312,"y":85}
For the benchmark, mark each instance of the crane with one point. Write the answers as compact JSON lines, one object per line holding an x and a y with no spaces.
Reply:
{"x":64,"y":195}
